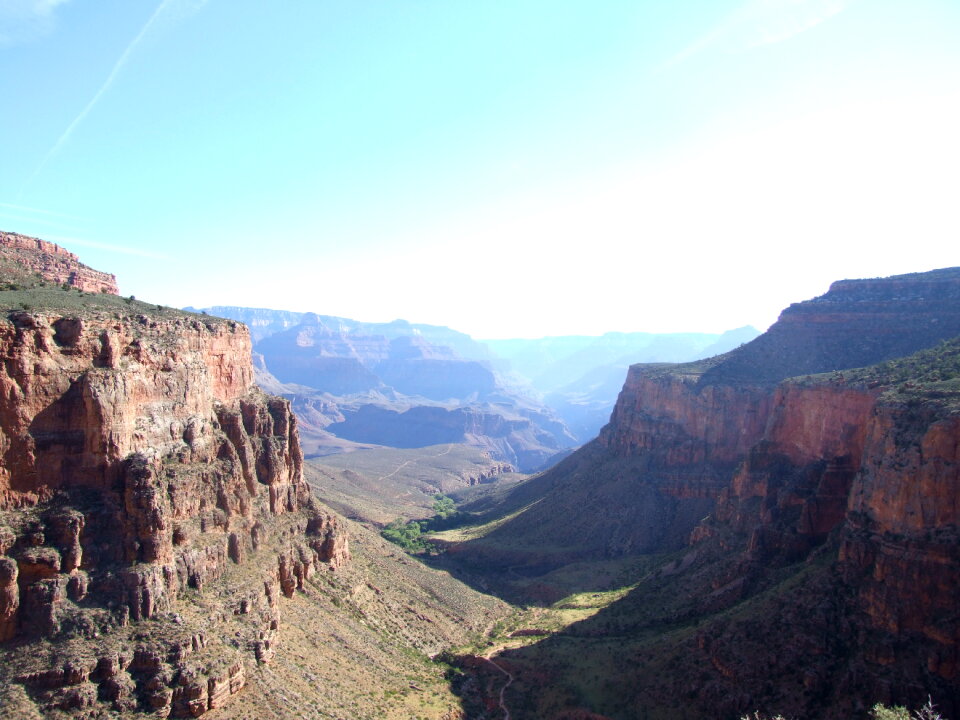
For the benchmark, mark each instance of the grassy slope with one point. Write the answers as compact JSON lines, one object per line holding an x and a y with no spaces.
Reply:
{"x":380,"y":485}
{"x":22,"y":292}
{"x":357,"y":643}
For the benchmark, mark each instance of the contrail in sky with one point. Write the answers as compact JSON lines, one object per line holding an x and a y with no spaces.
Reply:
{"x":761,"y":22}
{"x":123,"y":250}
{"x":32,"y":210}
{"x":117,"y":67}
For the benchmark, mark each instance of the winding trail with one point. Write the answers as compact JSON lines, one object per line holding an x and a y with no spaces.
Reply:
{"x":402,"y":465}
{"x":445,"y":452}
{"x":503,"y":690}
{"x":399,"y":468}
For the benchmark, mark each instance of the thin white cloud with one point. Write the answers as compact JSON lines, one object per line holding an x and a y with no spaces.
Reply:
{"x":117,"y":67}
{"x":761,"y":22}
{"x":182,"y":7}
{"x":779,"y":20}
{"x":39,"y":211}
{"x":33,"y":220}
{"x":123,"y":250}
{"x":25,"y":20}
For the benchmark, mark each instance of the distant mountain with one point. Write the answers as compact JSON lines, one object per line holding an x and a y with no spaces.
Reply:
{"x":264,"y":323}
{"x":399,"y":385}
{"x":341,"y":361}
{"x":566,"y":386}
{"x":579,"y":376}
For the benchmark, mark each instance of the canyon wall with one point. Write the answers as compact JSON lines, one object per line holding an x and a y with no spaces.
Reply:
{"x":818,"y":469}
{"x":143,"y":476}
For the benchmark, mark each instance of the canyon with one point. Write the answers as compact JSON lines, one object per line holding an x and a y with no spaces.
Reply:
{"x":772,"y":528}
{"x":155,"y":518}
{"x":804,"y":505}
{"x":408,"y":385}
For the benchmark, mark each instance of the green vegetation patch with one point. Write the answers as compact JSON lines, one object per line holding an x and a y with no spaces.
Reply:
{"x":406,"y":534}
{"x":41,"y":296}
{"x":930,"y":375}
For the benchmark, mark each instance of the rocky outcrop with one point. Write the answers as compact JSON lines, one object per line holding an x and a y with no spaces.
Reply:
{"x":856,"y":323}
{"x":144,"y":477}
{"x":859,"y":469}
{"x":54,"y":264}
{"x":729,"y":430}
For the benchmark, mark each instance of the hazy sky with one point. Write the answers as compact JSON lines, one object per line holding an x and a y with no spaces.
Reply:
{"x":510,"y":168}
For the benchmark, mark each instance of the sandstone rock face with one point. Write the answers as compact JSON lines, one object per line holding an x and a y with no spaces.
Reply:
{"x":54,"y":263}
{"x":141,"y":469}
{"x":864,"y":476}
{"x":729,"y":429}
{"x":855,"y":473}
{"x":672,"y":417}
{"x":900,"y":546}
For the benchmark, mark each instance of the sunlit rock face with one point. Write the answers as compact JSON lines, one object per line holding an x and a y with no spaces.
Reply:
{"x":153,"y":512}
{"x":54,"y":264}
{"x":826,"y":451}
{"x":722,"y":426}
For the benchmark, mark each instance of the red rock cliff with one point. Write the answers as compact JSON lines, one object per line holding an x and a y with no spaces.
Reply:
{"x":669,"y":415}
{"x":901,"y":548}
{"x":54,"y":264}
{"x":143,"y":476}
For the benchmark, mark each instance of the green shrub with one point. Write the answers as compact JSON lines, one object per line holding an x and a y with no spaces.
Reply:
{"x":443,"y":507}
{"x":405,"y":534}
{"x":879,"y":712}
{"x":927,"y":712}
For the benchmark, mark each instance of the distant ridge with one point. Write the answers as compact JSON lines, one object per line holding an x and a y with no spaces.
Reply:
{"x":22,"y":253}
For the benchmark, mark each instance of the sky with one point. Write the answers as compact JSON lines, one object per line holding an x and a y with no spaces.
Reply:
{"x":512,"y":168}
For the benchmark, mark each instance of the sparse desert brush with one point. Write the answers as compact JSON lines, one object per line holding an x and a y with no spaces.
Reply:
{"x":879,"y":712}
{"x":927,"y":712}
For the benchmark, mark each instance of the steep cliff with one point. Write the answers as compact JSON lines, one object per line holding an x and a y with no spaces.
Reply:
{"x":679,"y":433}
{"x":153,"y":510}
{"x":854,"y":494}
{"x":812,"y":509}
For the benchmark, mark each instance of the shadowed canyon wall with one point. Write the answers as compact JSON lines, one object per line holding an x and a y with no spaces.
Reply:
{"x":783,"y":454}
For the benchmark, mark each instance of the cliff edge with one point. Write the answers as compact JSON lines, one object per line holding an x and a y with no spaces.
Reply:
{"x":153,"y":510}
{"x":23,"y":255}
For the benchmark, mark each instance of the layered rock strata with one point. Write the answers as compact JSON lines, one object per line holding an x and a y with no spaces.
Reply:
{"x":54,"y":264}
{"x":781,"y":458}
{"x":679,"y":433}
{"x":144,"y":477}
{"x":860,"y":469}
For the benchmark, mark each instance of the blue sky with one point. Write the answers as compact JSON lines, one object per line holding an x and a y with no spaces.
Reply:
{"x":509,"y":169}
